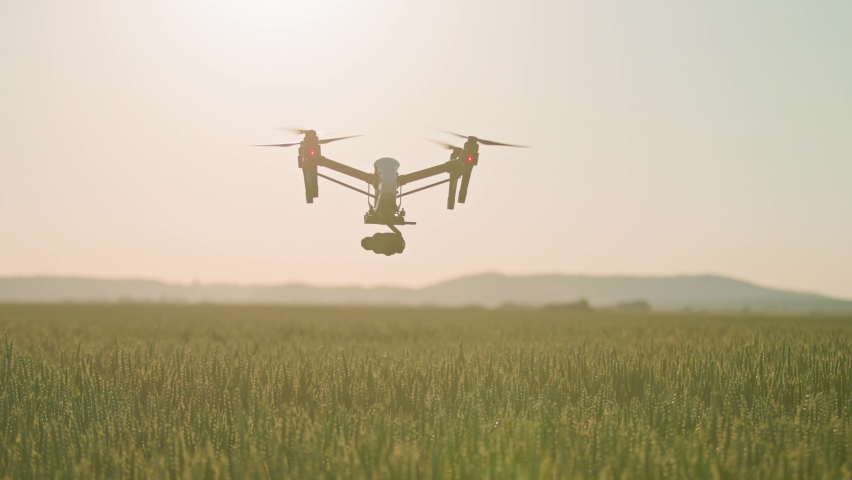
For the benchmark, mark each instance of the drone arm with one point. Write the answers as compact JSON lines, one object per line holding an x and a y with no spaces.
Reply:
{"x":425,"y":173}
{"x":345,"y":185}
{"x":424,"y":188}
{"x":347,"y":170}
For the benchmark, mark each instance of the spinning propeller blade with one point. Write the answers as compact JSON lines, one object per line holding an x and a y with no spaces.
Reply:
{"x":498,"y":144}
{"x":485,"y":142}
{"x":279,"y":145}
{"x":444,"y":145}
{"x":329,"y":140}
{"x":301,"y":131}
{"x":451,"y":133}
{"x":296,"y":131}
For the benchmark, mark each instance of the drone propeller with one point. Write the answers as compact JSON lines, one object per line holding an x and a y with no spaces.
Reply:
{"x":485,"y":142}
{"x":290,"y":144}
{"x":303,"y":132}
{"x":329,"y":140}
{"x":296,"y":131}
{"x":445,"y":145}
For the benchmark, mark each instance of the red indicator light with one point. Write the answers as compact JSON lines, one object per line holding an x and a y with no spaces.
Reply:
{"x":312,"y":152}
{"x":470,"y":159}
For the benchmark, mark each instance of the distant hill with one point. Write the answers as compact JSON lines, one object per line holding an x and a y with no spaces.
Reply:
{"x":704,"y":292}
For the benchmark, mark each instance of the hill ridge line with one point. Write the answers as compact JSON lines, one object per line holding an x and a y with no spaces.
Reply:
{"x":704,"y":291}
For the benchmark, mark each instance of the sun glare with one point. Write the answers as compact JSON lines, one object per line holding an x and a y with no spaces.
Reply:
{"x":308,"y":28}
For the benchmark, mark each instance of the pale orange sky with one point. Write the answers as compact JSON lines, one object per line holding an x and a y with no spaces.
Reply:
{"x":670,"y":137}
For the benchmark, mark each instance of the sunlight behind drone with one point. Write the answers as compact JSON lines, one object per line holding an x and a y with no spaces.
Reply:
{"x":306,"y":33}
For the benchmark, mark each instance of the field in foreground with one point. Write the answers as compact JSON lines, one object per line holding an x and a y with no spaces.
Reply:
{"x":147,"y":391}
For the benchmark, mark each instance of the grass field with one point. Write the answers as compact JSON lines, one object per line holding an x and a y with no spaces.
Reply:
{"x":147,"y":391}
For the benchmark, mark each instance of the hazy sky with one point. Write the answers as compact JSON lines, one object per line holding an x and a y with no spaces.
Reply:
{"x":670,"y":137}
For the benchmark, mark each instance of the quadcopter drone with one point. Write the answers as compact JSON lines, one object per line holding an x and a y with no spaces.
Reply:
{"x":384,"y":185}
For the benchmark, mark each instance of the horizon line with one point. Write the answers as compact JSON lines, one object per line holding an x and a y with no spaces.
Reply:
{"x":198,"y":283}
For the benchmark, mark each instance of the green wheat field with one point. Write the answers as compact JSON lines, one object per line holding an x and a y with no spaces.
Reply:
{"x":182,"y":391}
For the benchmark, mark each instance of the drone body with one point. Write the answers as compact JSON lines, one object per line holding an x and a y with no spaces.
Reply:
{"x":384,"y":209}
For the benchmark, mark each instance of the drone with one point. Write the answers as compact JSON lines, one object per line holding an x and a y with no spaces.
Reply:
{"x":384,"y":185}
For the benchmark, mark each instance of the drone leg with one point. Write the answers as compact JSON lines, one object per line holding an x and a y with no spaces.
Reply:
{"x":308,"y":190}
{"x":451,"y":199}
{"x":464,"y":184}
{"x":314,"y":181}
{"x":309,"y":170}
{"x":395,"y":230}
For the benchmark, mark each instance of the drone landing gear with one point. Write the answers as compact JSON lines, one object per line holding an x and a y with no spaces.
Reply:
{"x":385,"y":243}
{"x":375,"y":218}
